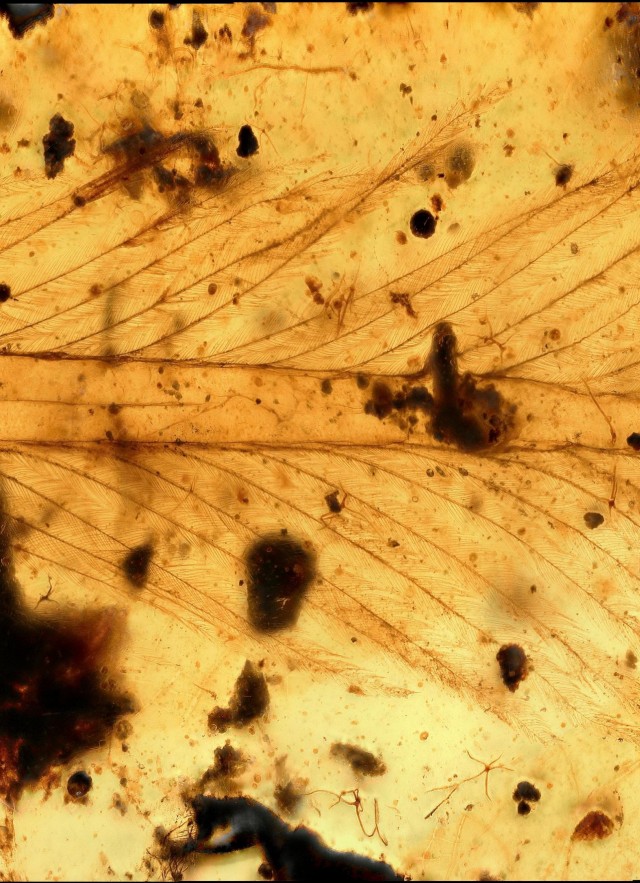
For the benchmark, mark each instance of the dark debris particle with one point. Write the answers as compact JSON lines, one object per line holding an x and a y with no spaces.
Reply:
{"x":265,"y":870}
{"x":514,"y":666}
{"x":355,"y":8}
{"x":279,"y":571}
{"x":198,"y":36}
{"x":21,"y":17}
{"x":156,"y":19}
{"x":634,"y":441}
{"x":362,"y":382}
{"x":631,"y":659}
{"x":249,"y":701}
{"x":595,"y":825}
{"x":5,"y":292}
{"x":333,"y":502}
{"x":293,"y":853}
{"x":79,"y":784}
{"x":255,"y":22}
{"x":563,"y":175}
{"x":287,"y":797}
{"x":593,"y":519}
{"x":326,"y":387}
{"x":528,"y":8}
{"x":361,"y":761}
{"x":523,"y":808}
{"x":526,"y":791}
{"x":229,"y":763}
{"x":247,"y":142}
{"x":58,"y":145}
{"x":423,"y":224}
{"x":136,"y":565}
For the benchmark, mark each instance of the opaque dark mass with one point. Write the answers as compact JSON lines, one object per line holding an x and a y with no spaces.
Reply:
{"x":199,"y":34}
{"x":279,"y":572}
{"x":5,"y":292}
{"x":247,"y":142}
{"x":136,"y":565}
{"x":526,"y":791}
{"x":593,"y":519}
{"x":470,"y":417}
{"x":249,"y":701}
{"x":634,"y":441}
{"x":523,"y":808}
{"x":79,"y":784}
{"x":333,"y":502}
{"x":156,"y":19}
{"x":24,"y":16}
{"x":360,"y":761}
{"x":58,"y":145}
{"x":228,"y":763}
{"x":563,"y":175}
{"x":292,"y":853}
{"x":57,"y":699}
{"x":514,"y":666}
{"x":423,"y":224}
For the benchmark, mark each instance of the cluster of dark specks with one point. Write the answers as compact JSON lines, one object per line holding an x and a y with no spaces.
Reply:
{"x":58,"y":145}
{"x":525,"y":794}
{"x":250,"y":700}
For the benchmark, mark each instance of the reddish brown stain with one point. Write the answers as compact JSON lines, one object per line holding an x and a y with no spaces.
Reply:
{"x":249,"y":701}
{"x":595,"y":825}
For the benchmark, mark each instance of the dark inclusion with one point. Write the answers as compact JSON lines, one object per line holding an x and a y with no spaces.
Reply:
{"x":249,"y":701}
{"x":514,"y":666}
{"x":459,"y":412}
{"x":79,"y":784}
{"x":291,"y":853}
{"x":24,"y":16}
{"x":58,"y":145}
{"x":136,"y":565}
{"x":360,"y":760}
{"x":56,"y":697}
{"x":525,"y":794}
{"x":279,"y":571}
{"x":247,"y":142}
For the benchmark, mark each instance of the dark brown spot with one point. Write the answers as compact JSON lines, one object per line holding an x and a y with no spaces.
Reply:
{"x":156,"y":19}
{"x":355,"y":8}
{"x":526,"y":791}
{"x":326,"y":387}
{"x":593,"y":519}
{"x":136,"y":565}
{"x":333,"y":502}
{"x":265,"y":871}
{"x":634,"y":441}
{"x":514,"y":666}
{"x":631,"y":659}
{"x":198,"y":36}
{"x":279,"y":571}
{"x":362,"y":381}
{"x":247,"y":142}
{"x":528,"y":8}
{"x":363,"y":762}
{"x":470,"y":417}
{"x":249,"y":701}
{"x":79,"y":784}
{"x":563,"y":175}
{"x":229,"y":763}
{"x":21,"y":17}
{"x":58,"y":145}
{"x":523,"y":808}
{"x":404,"y":300}
{"x":423,"y":224}
{"x":594,"y":826}
{"x":114,"y":409}
{"x":5,"y":292}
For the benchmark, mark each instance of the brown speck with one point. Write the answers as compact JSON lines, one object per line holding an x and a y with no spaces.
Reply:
{"x":593,"y":519}
{"x":574,"y":248}
{"x":326,"y":387}
{"x":436,"y":203}
{"x":249,"y":701}
{"x":136,"y":565}
{"x":212,"y":288}
{"x":333,"y":502}
{"x":5,"y":292}
{"x":554,"y":334}
{"x":405,"y":90}
{"x":523,"y":808}
{"x":114,"y":409}
{"x":631,"y":659}
{"x":79,"y":784}
{"x":563,"y":175}
{"x":634,"y":441}
{"x":514,"y":666}
{"x":363,"y":762}
{"x":595,"y":825}
{"x":508,"y":149}
{"x":401,"y":238}
{"x":58,"y":145}
{"x":404,"y":299}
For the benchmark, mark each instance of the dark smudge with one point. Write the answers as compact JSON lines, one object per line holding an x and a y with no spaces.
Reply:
{"x":228,"y":764}
{"x":363,"y":762}
{"x":79,"y":784}
{"x":291,"y":853}
{"x":593,"y":519}
{"x":280,"y":571}
{"x":564,"y":173}
{"x":459,"y":165}
{"x":199,"y":34}
{"x":514,"y":666}
{"x":56,"y":697}
{"x":249,"y":701}
{"x":247,"y":142}
{"x":595,"y":825}
{"x":58,"y":145}
{"x":136,"y":565}
{"x":5,"y":292}
{"x":24,"y":16}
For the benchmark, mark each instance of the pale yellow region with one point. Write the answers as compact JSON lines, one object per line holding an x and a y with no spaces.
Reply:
{"x":168,"y":376}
